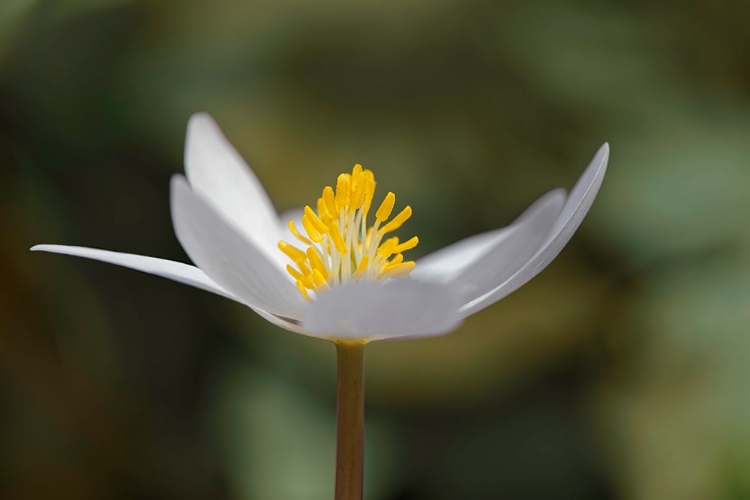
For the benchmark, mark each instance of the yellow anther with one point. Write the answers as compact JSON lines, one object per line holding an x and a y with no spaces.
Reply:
{"x":316,"y":261}
{"x":305,"y":280}
{"x":386,"y":207}
{"x":302,"y":290}
{"x":304,"y":268}
{"x":313,"y":233}
{"x":319,"y":279}
{"x":402,"y":217}
{"x":338,"y":240}
{"x":293,"y":252}
{"x":397,"y":259}
{"x":406,"y":245}
{"x":297,"y":234}
{"x":330,"y":200}
{"x":315,"y":220}
{"x":387,"y":248}
{"x":369,"y":179}
{"x":343,"y":190}
{"x":359,"y":187}
{"x":356,"y":172}
{"x":322,"y":210}
{"x":362,"y":267}
{"x":398,"y":270}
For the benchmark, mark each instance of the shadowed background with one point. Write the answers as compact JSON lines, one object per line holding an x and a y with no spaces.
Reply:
{"x":620,"y":372}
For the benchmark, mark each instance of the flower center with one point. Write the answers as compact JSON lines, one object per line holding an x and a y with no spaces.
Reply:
{"x":339,"y":247}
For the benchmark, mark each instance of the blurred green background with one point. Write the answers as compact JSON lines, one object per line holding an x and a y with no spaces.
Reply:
{"x":621,"y":372}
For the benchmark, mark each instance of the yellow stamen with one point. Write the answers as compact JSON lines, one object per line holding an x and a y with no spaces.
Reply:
{"x":297,"y":234}
{"x":407,"y":245}
{"x":397,"y":259}
{"x":322,"y":210}
{"x":358,"y":197}
{"x":299,"y":276}
{"x":387,"y":248}
{"x":312,"y":232}
{"x":398,"y":270}
{"x":316,"y":262}
{"x":343,"y":190}
{"x":302,"y":290}
{"x":293,"y":252}
{"x":340,"y":244}
{"x":330,"y":200}
{"x":338,"y":240}
{"x":319,"y":279}
{"x":368,"y":178}
{"x":304,"y":268}
{"x":397,"y":221}
{"x":386,"y":207}
{"x":315,"y":220}
{"x":356,"y":172}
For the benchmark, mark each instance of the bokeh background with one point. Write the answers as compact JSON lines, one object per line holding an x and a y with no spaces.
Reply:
{"x":622,"y":371}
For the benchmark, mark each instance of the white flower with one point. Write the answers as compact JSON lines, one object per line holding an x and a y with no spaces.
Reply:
{"x":357,"y":291}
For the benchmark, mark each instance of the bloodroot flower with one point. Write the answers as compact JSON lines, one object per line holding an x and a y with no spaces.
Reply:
{"x":335,"y":271}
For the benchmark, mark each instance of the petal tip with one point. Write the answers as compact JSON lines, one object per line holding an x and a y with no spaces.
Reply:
{"x":558,"y":194}
{"x":598,"y":165}
{"x":200,"y":125}
{"x":177,"y":182}
{"x":603,"y":153}
{"x":199,"y":118}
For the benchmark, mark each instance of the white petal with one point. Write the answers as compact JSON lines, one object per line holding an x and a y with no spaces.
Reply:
{"x":285,"y":323}
{"x":376,"y":311}
{"x":228,"y":257}
{"x":217,"y":172}
{"x":576,"y":207}
{"x":445,"y":264}
{"x":526,"y":235}
{"x":176,"y":271}
{"x":583,"y":194}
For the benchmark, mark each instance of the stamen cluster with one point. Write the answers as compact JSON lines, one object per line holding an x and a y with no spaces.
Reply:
{"x":340,"y":247}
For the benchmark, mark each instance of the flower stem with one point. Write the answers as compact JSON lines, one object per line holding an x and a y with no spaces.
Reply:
{"x":350,"y":420}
